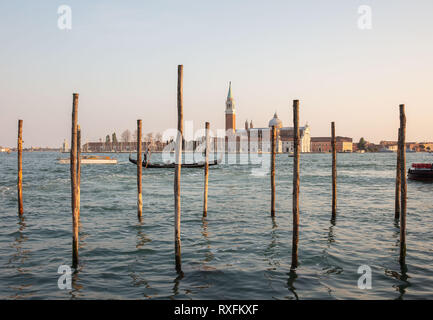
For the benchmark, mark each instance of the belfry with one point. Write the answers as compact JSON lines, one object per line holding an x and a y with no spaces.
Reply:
{"x":252,"y":139}
{"x":230,"y":111}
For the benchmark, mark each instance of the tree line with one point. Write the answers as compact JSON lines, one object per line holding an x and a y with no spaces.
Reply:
{"x":126,"y":136}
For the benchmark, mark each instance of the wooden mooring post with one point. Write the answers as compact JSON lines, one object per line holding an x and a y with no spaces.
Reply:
{"x":273,"y":145}
{"x":334,"y":172}
{"x":74,"y":189}
{"x":20,"y":168}
{"x":78,"y":169}
{"x":398,"y":180}
{"x":139,"y":171}
{"x":403,"y":184}
{"x":177,"y":244}
{"x":295,"y":196}
{"x":206,"y":171}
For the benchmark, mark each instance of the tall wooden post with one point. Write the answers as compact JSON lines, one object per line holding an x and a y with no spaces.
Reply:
{"x":273,"y":145}
{"x":74,"y":189}
{"x":334,"y":172}
{"x":398,"y":180}
{"x":295,"y":205}
{"x":403,"y":184}
{"x":78,"y":169}
{"x":139,"y":171}
{"x":206,"y":171}
{"x":177,"y":244}
{"x":20,"y":168}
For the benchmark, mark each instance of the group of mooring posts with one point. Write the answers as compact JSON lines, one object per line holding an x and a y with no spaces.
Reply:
{"x":75,"y":170}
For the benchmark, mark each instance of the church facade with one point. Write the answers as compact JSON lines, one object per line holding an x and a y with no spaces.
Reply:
{"x":251,"y":139}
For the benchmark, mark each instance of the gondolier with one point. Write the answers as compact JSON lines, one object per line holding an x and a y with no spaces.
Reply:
{"x":149,"y":165}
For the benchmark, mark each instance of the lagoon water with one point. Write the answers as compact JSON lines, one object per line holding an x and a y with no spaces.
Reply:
{"x":238,"y":252}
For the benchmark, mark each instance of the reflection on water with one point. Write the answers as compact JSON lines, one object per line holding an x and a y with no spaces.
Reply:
{"x":176,"y":281}
{"x":21,"y":255}
{"x":208,"y":254}
{"x":75,"y":292}
{"x":291,"y":284}
{"x":402,"y":277}
{"x":334,"y":220}
{"x":18,"y":259}
{"x":137,"y":278}
{"x":331,"y":236}
{"x":76,"y":286}
{"x":142,"y":238}
{"x":271,"y":252}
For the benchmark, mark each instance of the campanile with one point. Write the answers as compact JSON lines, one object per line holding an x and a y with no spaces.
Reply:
{"x":230,"y":111}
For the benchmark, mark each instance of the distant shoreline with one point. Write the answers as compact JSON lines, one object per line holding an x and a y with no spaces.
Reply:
{"x":119,"y":152}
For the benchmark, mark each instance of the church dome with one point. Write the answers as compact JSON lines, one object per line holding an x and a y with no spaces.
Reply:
{"x":275,"y":122}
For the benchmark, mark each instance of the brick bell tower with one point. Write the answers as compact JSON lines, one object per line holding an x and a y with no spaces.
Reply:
{"x":230,"y":111}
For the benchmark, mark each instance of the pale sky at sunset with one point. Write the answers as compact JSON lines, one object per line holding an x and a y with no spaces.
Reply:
{"x":122,"y":57}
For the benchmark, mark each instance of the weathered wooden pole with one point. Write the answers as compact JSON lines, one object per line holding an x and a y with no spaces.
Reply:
{"x":295,"y":205}
{"x":177,"y":244}
{"x":20,"y":168}
{"x":74,"y":189}
{"x":78,"y":169}
{"x":273,"y":145}
{"x":139,"y":171}
{"x":403,"y":184}
{"x":398,"y":180}
{"x":206,"y":171}
{"x":334,"y":172}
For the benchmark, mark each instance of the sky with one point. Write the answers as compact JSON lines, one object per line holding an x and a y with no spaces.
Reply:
{"x":122,"y":57}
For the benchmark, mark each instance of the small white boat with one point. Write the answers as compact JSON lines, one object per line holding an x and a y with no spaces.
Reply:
{"x":91,"y":160}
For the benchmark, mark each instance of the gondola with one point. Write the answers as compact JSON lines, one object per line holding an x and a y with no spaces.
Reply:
{"x":172,"y":165}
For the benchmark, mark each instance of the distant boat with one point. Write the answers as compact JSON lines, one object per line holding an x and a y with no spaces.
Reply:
{"x":172,"y":165}
{"x":91,"y":160}
{"x":421,"y":172}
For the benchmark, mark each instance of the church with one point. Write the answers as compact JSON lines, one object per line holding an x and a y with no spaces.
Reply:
{"x":258,"y":139}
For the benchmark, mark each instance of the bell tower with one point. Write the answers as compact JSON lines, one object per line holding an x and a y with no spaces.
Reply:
{"x":230,"y":111}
